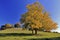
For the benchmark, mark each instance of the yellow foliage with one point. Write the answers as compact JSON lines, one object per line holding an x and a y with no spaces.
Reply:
{"x":37,"y":18}
{"x":8,"y":25}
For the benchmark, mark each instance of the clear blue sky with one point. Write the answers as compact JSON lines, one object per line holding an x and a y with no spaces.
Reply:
{"x":11,"y":10}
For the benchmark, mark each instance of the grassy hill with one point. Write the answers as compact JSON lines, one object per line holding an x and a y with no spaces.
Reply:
{"x":18,"y":34}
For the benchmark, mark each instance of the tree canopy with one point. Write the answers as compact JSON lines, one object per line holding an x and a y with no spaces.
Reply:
{"x":36,"y":17}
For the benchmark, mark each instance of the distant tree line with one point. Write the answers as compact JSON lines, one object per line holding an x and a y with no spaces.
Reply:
{"x":7,"y":26}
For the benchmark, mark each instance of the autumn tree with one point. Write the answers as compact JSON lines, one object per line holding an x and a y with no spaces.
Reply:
{"x":35,"y":18}
{"x":8,"y":26}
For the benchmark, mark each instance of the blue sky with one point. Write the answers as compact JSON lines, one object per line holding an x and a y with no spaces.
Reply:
{"x":11,"y":10}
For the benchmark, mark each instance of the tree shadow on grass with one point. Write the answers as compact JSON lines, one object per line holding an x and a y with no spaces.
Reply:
{"x":26,"y":34}
{"x":56,"y":38}
{"x":14,"y":34}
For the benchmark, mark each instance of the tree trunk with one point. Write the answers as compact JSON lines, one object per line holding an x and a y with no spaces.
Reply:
{"x":35,"y":31}
{"x":32,"y":32}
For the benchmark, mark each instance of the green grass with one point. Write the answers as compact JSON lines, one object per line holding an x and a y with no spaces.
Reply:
{"x":18,"y":34}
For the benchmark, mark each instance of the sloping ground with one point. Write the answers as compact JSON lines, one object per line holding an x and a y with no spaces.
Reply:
{"x":19,"y":34}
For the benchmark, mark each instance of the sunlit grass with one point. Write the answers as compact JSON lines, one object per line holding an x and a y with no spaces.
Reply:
{"x":19,"y":34}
